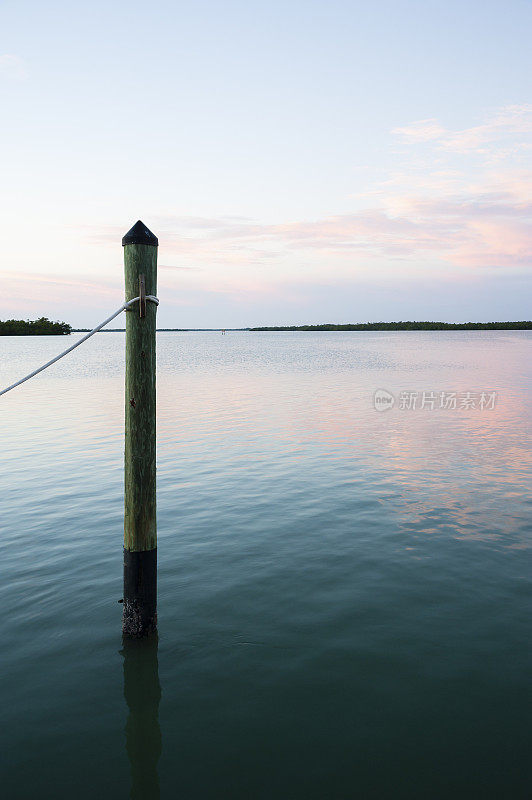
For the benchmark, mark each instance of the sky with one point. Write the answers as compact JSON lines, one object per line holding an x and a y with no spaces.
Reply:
{"x":300,"y":162}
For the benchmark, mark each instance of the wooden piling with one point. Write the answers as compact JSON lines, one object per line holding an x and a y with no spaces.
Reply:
{"x":140,"y":521}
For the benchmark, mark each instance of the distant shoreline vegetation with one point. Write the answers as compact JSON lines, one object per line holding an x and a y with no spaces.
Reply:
{"x":38,"y":327}
{"x":406,"y":326}
{"x":45,"y":327}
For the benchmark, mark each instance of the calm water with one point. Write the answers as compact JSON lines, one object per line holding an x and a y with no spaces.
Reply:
{"x":344,"y":594}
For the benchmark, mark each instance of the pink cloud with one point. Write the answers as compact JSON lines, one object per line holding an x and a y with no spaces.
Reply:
{"x":495,"y":243}
{"x":483,"y":229}
{"x":509,"y":122}
{"x":466,"y":229}
{"x":424,"y":130}
{"x":436,"y":206}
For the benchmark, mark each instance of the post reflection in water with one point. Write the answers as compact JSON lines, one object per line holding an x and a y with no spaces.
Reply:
{"x":142,"y":692}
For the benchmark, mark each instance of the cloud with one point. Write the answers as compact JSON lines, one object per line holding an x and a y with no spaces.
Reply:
{"x":454,"y":212}
{"x":473,"y":228}
{"x":436,"y":207}
{"x":424,"y":130}
{"x":507,"y":123}
{"x":12,"y":67}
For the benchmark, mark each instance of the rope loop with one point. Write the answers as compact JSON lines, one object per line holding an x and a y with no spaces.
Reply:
{"x":150,"y":297}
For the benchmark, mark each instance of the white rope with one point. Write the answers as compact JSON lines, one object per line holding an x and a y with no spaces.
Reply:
{"x":124,"y":307}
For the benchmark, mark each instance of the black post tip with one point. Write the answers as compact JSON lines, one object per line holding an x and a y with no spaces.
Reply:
{"x":140,"y":234}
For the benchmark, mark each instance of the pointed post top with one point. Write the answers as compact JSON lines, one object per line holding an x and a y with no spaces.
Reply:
{"x":140,"y":234}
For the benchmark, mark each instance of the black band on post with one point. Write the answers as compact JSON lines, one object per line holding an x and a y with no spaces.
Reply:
{"x":140,"y":592}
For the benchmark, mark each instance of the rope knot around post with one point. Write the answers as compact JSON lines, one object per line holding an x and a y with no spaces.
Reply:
{"x":150,"y":298}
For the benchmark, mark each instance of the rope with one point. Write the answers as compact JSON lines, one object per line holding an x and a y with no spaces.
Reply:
{"x":124,"y":307}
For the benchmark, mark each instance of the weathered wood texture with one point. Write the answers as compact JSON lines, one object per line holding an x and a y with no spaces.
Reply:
{"x":140,"y":521}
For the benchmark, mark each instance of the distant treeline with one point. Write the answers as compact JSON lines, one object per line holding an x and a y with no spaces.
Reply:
{"x":406,"y":326}
{"x":37,"y":327}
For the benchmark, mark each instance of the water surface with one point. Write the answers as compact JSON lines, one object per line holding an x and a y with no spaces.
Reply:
{"x":344,"y":594}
